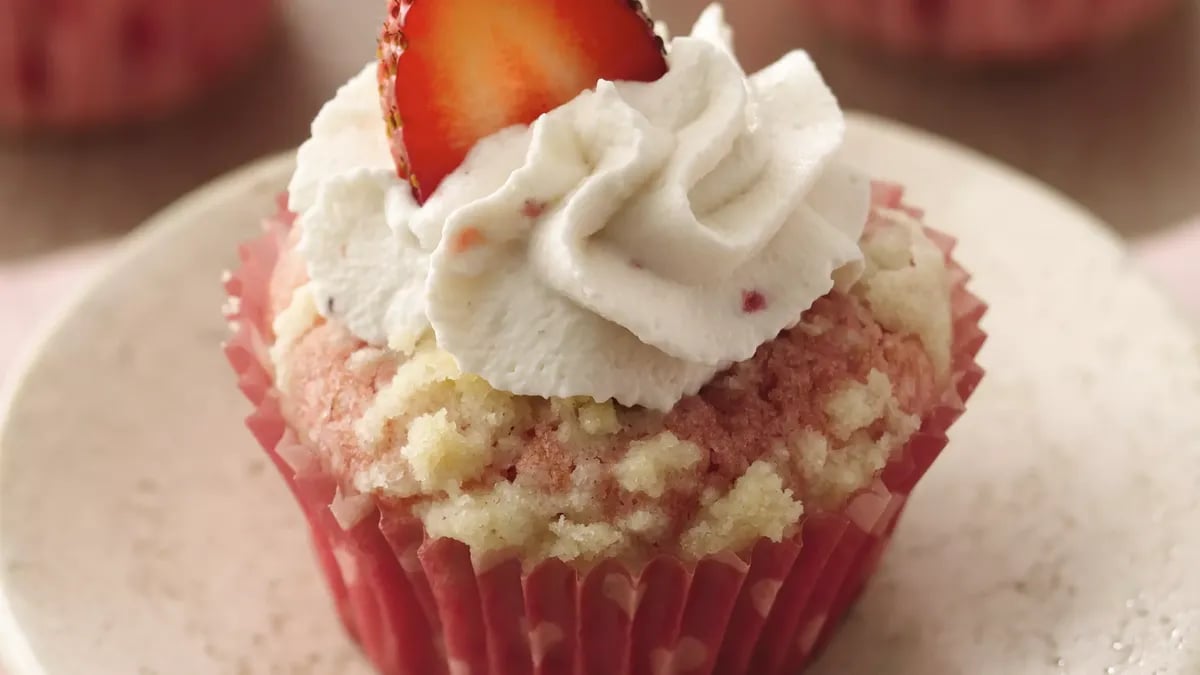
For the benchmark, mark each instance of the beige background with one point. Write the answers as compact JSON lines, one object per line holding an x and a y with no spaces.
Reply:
{"x":1120,"y":132}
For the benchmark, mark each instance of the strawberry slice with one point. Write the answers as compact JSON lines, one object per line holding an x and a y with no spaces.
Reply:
{"x":455,"y":71}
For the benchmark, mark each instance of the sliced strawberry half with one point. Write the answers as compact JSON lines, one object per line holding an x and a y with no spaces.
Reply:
{"x":455,"y":71}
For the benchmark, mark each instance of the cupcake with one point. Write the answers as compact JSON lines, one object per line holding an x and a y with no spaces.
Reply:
{"x":988,"y":30}
{"x":583,"y":360}
{"x":79,"y":64}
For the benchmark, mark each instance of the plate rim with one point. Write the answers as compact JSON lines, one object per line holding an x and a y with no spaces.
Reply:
{"x":996,"y":165}
{"x":16,"y":652}
{"x":17,"y":656}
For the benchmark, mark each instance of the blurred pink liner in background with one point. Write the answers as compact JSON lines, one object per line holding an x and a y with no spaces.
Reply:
{"x":988,"y":30}
{"x":73,"y":63}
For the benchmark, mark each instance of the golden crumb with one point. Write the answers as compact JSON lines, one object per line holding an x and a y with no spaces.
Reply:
{"x":290,"y":325}
{"x":850,"y":467}
{"x":649,"y":524}
{"x":508,"y":517}
{"x":907,"y":286}
{"x":834,"y":472}
{"x":810,"y":451}
{"x":441,"y":456}
{"x":648,"y":464}
{"x":583,"y":541}
{"x":599,"y":419}
{"x":857,"y":405}
{"x":502,"y":518}
{"x":390,"y":477}
{"x":435,"y":425}
{"x":757,"y":506}
{"x":426,"y":367}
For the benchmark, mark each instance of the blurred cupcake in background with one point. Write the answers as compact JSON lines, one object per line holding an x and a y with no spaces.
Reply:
{"x":983,"y":31}
{"x":69,"y":64}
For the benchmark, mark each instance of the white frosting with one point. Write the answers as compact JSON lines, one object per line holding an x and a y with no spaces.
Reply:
{"x":607,"y":250}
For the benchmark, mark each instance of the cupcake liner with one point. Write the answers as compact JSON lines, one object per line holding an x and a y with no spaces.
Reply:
{"x":987,"y":30}
{"x":425,"y":607}
{"x":76,"y":64}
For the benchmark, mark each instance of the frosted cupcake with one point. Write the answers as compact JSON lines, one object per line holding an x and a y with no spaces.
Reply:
{"x":989,"y":30}
{"x":621,"y":372}
{"x":77,"y":64}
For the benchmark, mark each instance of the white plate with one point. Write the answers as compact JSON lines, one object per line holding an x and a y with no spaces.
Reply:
{"x":141,"y":531}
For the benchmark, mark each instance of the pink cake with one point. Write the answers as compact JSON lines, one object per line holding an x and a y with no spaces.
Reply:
{"x":76,"y":64}
{"x":654,"y":462}
{"x":989,"y":30}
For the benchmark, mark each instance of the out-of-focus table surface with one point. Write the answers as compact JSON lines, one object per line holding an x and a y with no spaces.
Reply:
{"x":1119,"y":132}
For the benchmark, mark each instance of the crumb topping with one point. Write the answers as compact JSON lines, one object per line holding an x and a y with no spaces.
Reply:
{"x":648,"y":464}
{"x":758,"y":506}
{"x":858,"y":405}
{"x":290,"y":325}
{"x":799,"y":428}
{"x":906,"y":283}
{"x":502,"y":518}
{"x":441,"y":456}
{"x":598,"y":419}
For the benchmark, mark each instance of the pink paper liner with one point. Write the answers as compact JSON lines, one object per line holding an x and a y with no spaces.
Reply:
{"x":423,"y":607}
{"x":987,"y":30}
{"x":75,"y":64}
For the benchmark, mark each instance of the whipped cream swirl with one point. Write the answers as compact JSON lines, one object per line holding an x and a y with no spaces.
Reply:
{"x":627,"y":245}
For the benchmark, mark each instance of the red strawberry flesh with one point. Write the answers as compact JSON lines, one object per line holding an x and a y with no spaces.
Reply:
{"x":453,"y":72}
